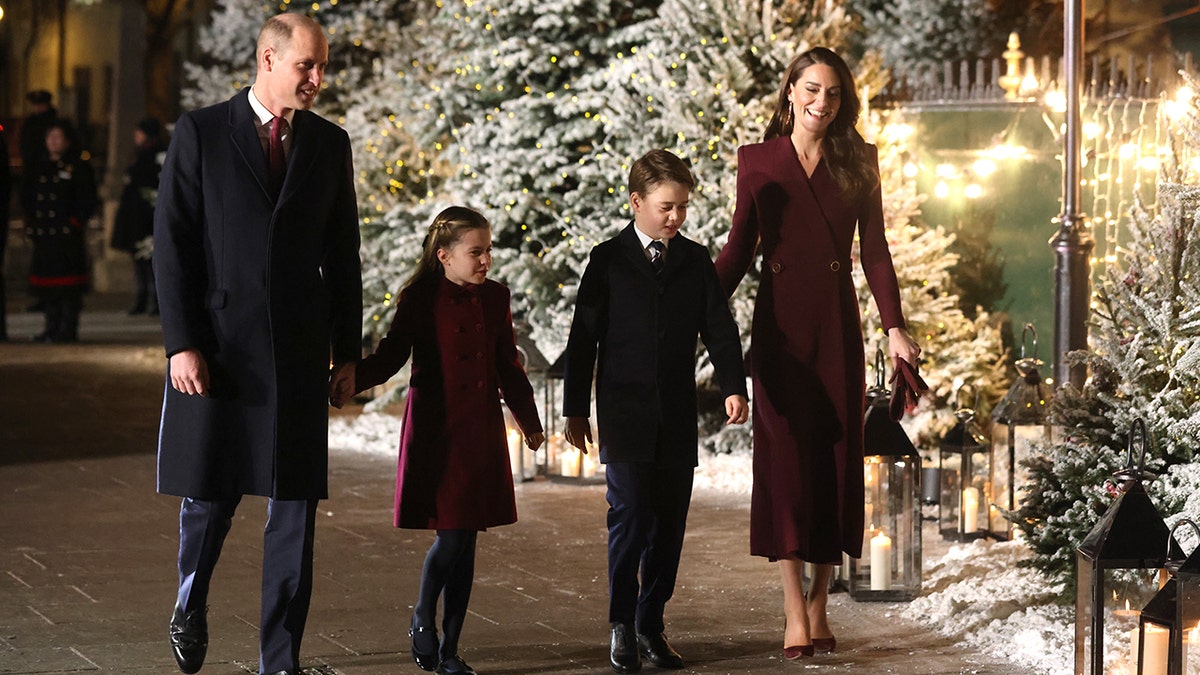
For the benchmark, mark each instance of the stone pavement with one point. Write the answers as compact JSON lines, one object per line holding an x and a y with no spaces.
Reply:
{"x":87,"y":553}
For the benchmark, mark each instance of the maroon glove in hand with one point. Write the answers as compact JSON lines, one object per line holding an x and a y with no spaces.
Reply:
{"x":907,"y":387}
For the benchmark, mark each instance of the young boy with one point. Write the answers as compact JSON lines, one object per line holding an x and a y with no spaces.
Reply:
{"x":645,"y":296}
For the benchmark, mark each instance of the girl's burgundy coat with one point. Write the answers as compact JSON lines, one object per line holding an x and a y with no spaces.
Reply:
{"x":806,"y":354}
{"x":454,"y":470}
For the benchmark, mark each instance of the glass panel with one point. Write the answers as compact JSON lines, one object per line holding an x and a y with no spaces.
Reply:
{"x":1001,"y":477}
{"x":950,"y":494}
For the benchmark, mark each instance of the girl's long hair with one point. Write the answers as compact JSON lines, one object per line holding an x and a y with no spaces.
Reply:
{"x":445,"y":231}
{"x":845,"y":150}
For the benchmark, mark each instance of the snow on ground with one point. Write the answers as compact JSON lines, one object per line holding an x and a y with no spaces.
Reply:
{"x":972,"y":592}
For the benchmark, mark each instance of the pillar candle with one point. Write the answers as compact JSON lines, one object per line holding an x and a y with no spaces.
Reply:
{"x":970,"y":506}
{"x":881,"y":562}
{"x":1154,"y":658}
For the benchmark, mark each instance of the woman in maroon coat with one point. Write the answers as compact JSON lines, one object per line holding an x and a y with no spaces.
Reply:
{"x":800,"y":195}
{"x":454,"y":474}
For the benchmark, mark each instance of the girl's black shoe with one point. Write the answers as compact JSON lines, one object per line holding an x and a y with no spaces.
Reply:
{"x":424,"y":645}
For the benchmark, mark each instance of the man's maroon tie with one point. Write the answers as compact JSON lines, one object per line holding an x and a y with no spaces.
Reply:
{"x":275,"y":159}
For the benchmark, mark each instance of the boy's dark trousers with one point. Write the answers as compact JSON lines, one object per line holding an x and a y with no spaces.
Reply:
{"x":647,"y":515}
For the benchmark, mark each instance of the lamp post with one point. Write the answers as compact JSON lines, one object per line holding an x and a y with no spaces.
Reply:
{"x":890,"y":569}
{"x":1019,"y":421}
{"x":1073,"y":243}
{"x":1131,"y":535}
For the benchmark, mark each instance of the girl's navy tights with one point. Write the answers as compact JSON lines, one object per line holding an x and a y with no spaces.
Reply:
{"x":449,"y":571}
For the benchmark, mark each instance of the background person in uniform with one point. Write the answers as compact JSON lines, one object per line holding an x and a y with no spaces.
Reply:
{"x":33,"y":145}
{"x":801,"y":194}
{"x":259,"y":287}
{"x":59,"y":197}
{"x":33,"y":129}
{"x":133,"y":228}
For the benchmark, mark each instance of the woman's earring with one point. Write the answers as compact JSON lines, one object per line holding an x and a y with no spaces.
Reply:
{"x":787,"y":116}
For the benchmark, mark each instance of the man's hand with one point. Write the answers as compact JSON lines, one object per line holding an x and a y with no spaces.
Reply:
{"x":534,"y":441}
{"x":189,"y":372}
{"x":737,"y":408}
{"x":341,"y":384}
{"x":579,"y":432}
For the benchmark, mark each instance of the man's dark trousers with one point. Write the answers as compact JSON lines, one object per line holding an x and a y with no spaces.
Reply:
{"x":287,"y":570}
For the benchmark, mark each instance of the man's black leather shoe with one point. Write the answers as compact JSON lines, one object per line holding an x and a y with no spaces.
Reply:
{"x":189,"y":638}
{"x":656,"y":650}
{"x":623,"y":651}
{"x":454,"y":666}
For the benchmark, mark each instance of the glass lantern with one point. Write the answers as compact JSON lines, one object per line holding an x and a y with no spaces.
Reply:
{"x":1019,"y":421}
{"x":1124,"y":552}
{"x":963,"y":472}
{"x":890,"y":567}
{"x":1160,"y":645}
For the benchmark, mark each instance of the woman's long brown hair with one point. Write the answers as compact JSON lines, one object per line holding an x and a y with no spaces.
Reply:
{"x":844,"y":149}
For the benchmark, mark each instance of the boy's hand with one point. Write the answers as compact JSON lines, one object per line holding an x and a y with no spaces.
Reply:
{"x":579,"y":432}
{"x":737,"y":408}
{"x":534,"y":441}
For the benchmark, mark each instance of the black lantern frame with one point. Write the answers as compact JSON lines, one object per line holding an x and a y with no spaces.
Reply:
{"x":1175,"y":608}
{"x":963,"y":472}
{"x":1131,"y":535}
{"x":890,"y":569}
{"x":1020,"y":420}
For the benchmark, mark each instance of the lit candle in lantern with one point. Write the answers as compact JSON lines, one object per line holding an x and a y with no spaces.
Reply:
{"x":970,"y":505}
{"x":1154,"y":656}
{"x":881,"y":562}
{"x":514,"y":449}
{"x":569,"y":462}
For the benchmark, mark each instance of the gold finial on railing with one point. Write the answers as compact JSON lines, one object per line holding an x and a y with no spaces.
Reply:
{"x":1010,"y":82}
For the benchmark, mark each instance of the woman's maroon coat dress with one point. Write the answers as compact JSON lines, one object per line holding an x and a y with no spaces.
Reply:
{"x":454,"y":471}
{"x":806,"y":354}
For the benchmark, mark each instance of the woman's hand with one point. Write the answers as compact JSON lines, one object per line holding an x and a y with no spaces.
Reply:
{"x":902,"y":346}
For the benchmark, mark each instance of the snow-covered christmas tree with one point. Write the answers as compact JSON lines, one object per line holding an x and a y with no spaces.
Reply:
{"x":1144,"y":360}
{"x":535,"y":117}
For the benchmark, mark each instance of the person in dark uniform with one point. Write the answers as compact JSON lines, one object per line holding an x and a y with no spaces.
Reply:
{"x":645,"y":297}
{"x":33,"y":145}
{"x":59,"y":197}
{"x":133,"y":229}
{"x":34,"y":128}
{"x":454,"y":474}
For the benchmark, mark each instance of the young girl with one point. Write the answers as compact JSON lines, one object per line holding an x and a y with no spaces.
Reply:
{"x":454,"y":474}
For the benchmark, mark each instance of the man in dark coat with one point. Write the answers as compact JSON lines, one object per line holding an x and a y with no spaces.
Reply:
{"x":257,"y":267}
{"x":645,"y":297}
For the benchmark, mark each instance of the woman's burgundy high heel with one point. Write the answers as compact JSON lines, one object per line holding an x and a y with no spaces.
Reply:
{"x":793,"y":653}
{"x":824,"y":645}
